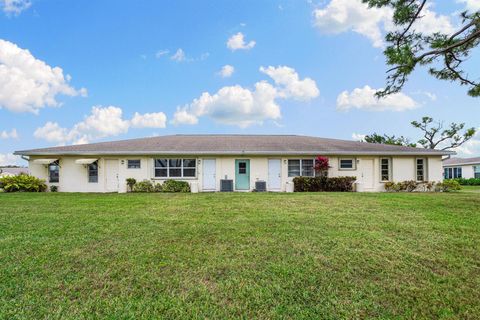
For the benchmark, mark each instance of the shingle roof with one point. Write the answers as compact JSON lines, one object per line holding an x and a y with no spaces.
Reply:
{"x":459,"y":161}
{"x":231,"y":144}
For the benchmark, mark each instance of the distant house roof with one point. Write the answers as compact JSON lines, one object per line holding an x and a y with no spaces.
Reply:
{"x":461,"y":161}
{"x":13,"y":170}
{"x":232,"y":145}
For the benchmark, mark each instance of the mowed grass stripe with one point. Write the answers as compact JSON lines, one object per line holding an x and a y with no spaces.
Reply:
{"x":323,"y":255}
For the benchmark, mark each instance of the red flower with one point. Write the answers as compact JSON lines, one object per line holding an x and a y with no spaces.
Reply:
{"x":321,"y":164}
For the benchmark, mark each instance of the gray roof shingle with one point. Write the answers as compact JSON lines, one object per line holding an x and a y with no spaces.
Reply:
{"x":460,"y":161}
{"x":231,"y":144}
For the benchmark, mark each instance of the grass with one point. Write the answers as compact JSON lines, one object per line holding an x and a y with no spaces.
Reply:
{"x":325,"y":255}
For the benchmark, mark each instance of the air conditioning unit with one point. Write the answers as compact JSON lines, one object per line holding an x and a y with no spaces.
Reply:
{"x":226,"y":185}
{"x":260,"y":186}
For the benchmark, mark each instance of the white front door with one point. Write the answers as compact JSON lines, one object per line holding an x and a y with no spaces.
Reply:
{"x":209,"y":175}
{"x":367,"y":173}
{"x":274,"y":174}
{"x":111,"y":175}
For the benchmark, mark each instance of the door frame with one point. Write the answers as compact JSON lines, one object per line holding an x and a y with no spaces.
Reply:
{"x":106,"y":161}
{"x":363,"y":161}
{"x":279,"y":172}
{"x":214,"y":175}
{"x":237,"y":162}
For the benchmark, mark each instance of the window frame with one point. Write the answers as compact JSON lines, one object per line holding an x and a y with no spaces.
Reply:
{"x":57,"y":164}
{"x":300,"y":165}
{"x":424,"y":169}
{"x":476,"y":172}
{"x":89,"y":170}
{"x":390,"y":171}
{"x":354,"y":164}
{"x":182,"y":168}
{"x":134,"y":167}
{"x":453,"y":172}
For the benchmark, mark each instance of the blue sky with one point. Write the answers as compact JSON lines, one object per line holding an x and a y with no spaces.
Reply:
{"x":148,"y":68}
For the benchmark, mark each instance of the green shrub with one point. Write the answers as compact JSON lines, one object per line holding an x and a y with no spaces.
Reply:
{"x":391,"y":187}
{"x":408,"y":186}
{"x":468,"y":182}
{"x":131,"y":183}
{"x":53,"y":188}
{"x":22,"y":183}
{"x":325,"y":184}
{"x":175,"y":186}
{"x":144,"y":186}
{"x":158,"y":187}
{"x":448,"y":186}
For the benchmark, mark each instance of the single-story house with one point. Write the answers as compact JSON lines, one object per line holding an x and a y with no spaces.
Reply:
{"x":461,"y":168}
{"x":228,"y":162}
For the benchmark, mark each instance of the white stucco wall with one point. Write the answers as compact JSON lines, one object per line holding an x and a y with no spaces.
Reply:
{"x":74,"y":177}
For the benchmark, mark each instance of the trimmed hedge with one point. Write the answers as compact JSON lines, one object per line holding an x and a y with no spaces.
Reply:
{"x":323,"y":184}
{"x":467,"y":182}
{"x":413,"y":186}
{"x":22,"y":183}
{"x":168,"y":186}
{"x":175,"y":186}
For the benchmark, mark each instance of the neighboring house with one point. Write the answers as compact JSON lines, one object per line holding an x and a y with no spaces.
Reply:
{"x":12,"y":171}
{"x":219,"y":162}
{"x":461,"y":168}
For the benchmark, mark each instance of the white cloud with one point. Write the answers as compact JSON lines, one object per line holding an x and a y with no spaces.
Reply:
{"x":237,"y":42}
{"x":101,"y":123}
{"x":161,"y":53}
{"x":28,"y":84}
{"x":471,"y":5}
{"x":471,"y":147}
{"x":9,"y":135}
{"x":9,"y":159}
{"x":14,"y":6}
{"x":184,"y":116}
{"x":364,"y":98}
{"x":358,"y":136}
{"x":179,"y":56}
{"x":353,"y":15}
{"x":289,"y":84}
{"x":236,"y":105}
{"x":149,"y":120}
{"x":226,"y":71}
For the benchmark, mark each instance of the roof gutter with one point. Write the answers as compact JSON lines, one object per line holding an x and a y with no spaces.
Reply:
{"x":236,"y":153}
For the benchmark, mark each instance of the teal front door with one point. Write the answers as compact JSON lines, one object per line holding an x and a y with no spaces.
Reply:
{"x":242,"y":174}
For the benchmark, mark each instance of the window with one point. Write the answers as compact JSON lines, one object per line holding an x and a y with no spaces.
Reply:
{"x":420,"y":169}
{"x":452,"y":173}
{"x":93,"y":172}
{"x":476,"y":172}
{"x":54,"y":172}
{"x":175,"y":168}
{"x":242,"y":168}
{"x":457,"y":172}
{"x":134,"y":164}
{"x":385,"y":169}
{"x":300,"y":167}
{"x":307,"y":168}
{"x":347,"y":164}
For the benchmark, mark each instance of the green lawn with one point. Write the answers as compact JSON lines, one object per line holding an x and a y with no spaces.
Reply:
{"x":325,"y":255}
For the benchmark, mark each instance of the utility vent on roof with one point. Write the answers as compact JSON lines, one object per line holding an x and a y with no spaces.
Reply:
{"x":260,"y":186}
{"x":226,"y":185}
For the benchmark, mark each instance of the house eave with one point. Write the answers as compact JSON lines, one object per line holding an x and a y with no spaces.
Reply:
{"x":461,"y":164}
{"x":236,"y":153}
